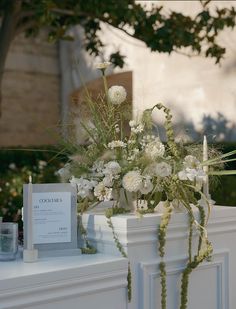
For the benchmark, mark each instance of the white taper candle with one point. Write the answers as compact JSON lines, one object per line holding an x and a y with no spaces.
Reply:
{"x":30,"y":245}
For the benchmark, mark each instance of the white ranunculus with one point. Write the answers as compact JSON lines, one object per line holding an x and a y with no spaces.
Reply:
{"x":155,"y":149}
{"x":132,"y":181}
{"x":163,"y":169}
{"x":147,"y":186}
{"x":103,"y":65}
{"x":191,"y":162}
{"x":117,"y":94}
{"x":112,"y":167}
{"x":102,"y":192}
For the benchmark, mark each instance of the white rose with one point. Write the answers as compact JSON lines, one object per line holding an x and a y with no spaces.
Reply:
{"x":163,"y":169}
{"x":132,"y":181}
{"x":117,"y":94}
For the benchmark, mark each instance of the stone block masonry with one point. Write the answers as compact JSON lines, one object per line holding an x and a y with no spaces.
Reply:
{"x":31,"y":93}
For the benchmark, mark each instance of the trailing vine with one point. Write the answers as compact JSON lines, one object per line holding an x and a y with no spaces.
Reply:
{"x":204,"y":252}
{"x":162,"y":240}
{"x":198,"y":259}
{"x":88,"y":249}
{"x":109,"y":213}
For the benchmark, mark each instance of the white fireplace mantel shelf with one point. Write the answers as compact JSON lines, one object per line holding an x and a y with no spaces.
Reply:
{"x":212,"y":284}
{"x":64,"y":283}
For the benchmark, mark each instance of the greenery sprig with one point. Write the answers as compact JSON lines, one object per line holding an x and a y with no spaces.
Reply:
{"x":109,"y":213}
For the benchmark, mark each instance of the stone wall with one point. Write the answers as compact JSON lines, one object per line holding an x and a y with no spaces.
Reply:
{"x":30,"y":107}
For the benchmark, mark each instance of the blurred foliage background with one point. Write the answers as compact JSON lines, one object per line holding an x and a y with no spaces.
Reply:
{"x":16,"y":166}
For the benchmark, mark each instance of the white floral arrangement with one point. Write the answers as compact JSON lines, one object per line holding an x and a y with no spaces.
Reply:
{"x":133,"y":166}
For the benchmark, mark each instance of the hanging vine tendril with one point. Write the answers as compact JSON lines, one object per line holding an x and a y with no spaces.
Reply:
{"x":109,"y":213}
{"x":162,"y":240}
{"x":204,"y":252}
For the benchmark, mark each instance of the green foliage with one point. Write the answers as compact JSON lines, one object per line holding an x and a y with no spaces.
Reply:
{"x":16,"y":166}
{"x":161,"y":31}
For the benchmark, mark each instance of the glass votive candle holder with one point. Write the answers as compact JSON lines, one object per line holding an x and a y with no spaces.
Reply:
{"x":8,"y":241}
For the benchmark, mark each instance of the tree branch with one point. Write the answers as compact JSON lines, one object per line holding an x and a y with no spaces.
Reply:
{"x":25,"y":26}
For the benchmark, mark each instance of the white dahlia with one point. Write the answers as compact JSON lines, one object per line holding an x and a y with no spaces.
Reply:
{"x":132,"y":181}
{"x":117,"y":94}
{"x":102,"y":192}
{"x":155,"y":149}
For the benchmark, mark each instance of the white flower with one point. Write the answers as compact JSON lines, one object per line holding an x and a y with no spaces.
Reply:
{"x":116,"y":144}
{"x":155,"y":149}
{"x":112,"y":167}
{"x":103,"y":65}
{"x":108,"y":180}
{"x":182,"y":175}
{"x":64,"y":172}
{"x":102,"y":192}
{"x":12,"y":166}
{"x":42,"y":164}
{"x":117,"y":128}
{"x":191,"y":162}
{"x":192,"y":174}
{"x":163,"y":169}
{"x":133,"y":154}
{"x":117,"y":94}
{"x":147,"y":186}
{"x":132,"y":181}
{"x":83,"y":186}
{"x":138,"y":129}
{"x":132,"y":123}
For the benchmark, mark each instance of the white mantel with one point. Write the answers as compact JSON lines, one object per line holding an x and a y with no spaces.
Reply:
{"x":80,"y":282}
{"x":212,"y":285}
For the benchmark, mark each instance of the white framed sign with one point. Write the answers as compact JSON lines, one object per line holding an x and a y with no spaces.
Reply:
{"x":54,"y":222}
